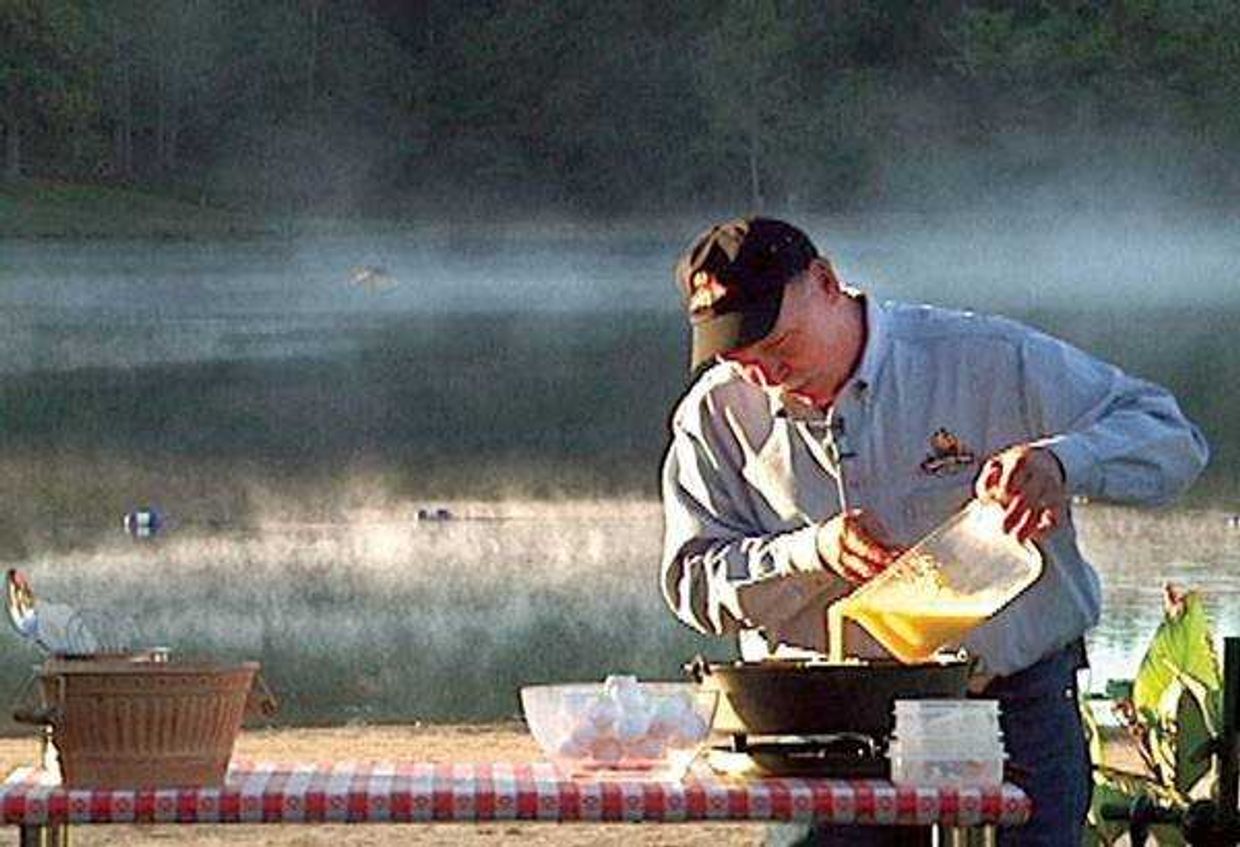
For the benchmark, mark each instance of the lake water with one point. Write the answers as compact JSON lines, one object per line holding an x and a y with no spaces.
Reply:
{"x":291,"y":422}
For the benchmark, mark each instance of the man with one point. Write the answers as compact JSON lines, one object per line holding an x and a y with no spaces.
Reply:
{"x":826,"y":432}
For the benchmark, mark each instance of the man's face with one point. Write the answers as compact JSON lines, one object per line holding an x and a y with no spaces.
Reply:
{"x":790,"y":359}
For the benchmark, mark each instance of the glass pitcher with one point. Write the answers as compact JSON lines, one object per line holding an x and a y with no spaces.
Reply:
{"x":942,"y":587}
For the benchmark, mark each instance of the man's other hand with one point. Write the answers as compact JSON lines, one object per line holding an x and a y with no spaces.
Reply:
{"x":853,"y":545}
{"x":1029,"y":483}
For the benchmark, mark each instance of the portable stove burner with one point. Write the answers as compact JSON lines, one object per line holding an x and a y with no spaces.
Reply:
{"x":848,"y":754}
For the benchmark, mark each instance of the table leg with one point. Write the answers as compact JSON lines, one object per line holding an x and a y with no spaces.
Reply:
{"x":960,"y":836}
{"x":43,"y":835}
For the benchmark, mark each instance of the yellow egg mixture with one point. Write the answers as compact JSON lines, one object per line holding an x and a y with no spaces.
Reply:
{"x":911,"y":612}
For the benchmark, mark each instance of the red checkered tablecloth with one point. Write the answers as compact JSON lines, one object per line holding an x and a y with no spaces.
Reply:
{"x":412,"y":792}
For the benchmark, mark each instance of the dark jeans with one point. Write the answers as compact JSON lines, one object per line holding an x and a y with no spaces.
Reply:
{"x":1048,"y":753}
{"x":1047,"y":756}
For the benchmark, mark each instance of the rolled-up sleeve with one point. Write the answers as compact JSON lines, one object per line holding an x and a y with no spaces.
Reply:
{"x":1119,"y":438}
{"x":714,"y":546}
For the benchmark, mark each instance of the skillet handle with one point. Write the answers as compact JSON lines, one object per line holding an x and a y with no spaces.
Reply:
{"x":261,"y":703}
{"x":45,"y":716}
{"x":26,"y":710}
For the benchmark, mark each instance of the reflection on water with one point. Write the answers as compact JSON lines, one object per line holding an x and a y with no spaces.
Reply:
{"x":388,"y":617}
{"x":1136,"y":553}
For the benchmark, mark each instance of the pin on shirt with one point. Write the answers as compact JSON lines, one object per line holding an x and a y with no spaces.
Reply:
{"x":948,"y":454}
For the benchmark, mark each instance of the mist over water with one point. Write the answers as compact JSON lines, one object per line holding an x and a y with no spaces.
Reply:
{"x":1015,"y":259}
{"x":66,"y":305}
{"x":1016,"y":262}
{"x":291,"y":422}
{"x":383,"y":617}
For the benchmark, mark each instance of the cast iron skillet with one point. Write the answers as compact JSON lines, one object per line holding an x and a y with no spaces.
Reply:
{"x":797,"y":697}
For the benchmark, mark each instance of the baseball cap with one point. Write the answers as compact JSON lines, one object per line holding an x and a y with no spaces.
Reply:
{"x":732,"y":281}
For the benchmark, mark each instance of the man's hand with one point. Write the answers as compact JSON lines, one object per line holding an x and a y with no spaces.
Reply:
{"x":852,"y":544}
{"x":1029,"y":483}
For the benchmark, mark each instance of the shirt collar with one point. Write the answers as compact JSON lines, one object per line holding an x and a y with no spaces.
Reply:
{"x":877,"y":343}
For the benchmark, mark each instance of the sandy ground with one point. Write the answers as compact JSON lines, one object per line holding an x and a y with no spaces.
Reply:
{"x":425,"y":743}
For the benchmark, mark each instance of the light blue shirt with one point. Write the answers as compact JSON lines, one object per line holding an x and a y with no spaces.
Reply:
{"x":935,"y":394}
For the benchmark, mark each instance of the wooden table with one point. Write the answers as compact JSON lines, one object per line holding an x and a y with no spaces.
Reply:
{"x":416,"y":792}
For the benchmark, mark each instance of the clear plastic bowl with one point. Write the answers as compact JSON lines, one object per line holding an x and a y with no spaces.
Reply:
{"x":621,"y":729}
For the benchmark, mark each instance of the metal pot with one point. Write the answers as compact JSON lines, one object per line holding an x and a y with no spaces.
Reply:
{"x":136,"y":720}
{"x":814,"y":698}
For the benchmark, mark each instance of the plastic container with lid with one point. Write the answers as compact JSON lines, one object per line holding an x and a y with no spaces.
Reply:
{"x":947,"y":743}
{"x":928,"y":719}
{"x":959,"y":771}
{"x":945,"y":585}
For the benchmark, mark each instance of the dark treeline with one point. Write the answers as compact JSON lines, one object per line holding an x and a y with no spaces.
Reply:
{"x":591,"y":107}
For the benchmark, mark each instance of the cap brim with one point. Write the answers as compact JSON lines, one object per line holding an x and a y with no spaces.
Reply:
{"x":733,"y":330}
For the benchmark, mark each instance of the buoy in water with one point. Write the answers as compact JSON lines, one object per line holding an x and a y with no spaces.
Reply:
{"x":142,"y":523}
{"x":371,"y":277}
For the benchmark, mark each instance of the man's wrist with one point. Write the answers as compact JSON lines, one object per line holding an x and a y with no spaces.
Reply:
{"x":803,"y":549}
{"x":1076,"y":462}
{"x":1053,"y":462}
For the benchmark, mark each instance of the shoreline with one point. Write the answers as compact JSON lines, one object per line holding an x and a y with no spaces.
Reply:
{"x":49,"y":210}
